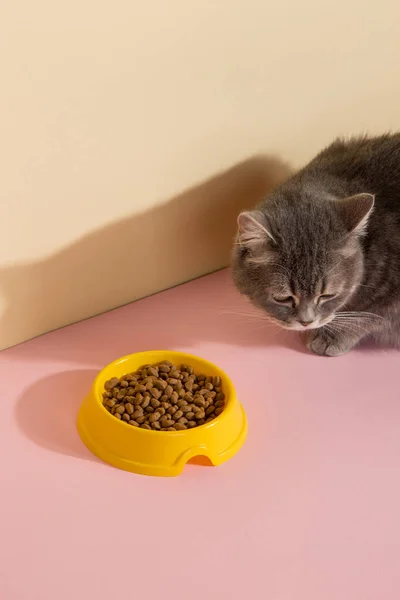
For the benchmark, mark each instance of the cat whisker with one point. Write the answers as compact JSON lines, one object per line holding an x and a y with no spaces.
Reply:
{"x":358,"y":314}
{"x":249,"y":315}
{"x":352,"y":327}
{"x":335,"y":330}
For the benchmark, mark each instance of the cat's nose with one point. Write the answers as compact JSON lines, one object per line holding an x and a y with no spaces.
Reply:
{"x":305,"y":323}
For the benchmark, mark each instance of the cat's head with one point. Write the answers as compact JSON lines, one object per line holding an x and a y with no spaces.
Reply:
{"x":300,"y":258}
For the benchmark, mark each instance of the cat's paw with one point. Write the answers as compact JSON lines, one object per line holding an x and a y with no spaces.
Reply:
{"x":326,"y":343}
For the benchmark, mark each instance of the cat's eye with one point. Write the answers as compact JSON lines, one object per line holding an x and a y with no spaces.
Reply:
{"x":325,"y":297}
{"x":287,"y":301}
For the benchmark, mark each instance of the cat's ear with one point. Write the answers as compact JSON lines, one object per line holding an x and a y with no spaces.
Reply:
{"x":355,"y":211}
{"x":253,"y":230}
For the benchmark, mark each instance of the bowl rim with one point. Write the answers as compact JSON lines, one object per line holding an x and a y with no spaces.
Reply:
{"x":230,"y":394}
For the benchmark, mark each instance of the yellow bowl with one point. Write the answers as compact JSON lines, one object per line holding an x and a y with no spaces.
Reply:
{"x":157,"y":452}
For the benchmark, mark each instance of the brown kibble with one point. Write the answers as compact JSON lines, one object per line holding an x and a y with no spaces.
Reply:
{"x":174,"y":398}
{"x":168,"y":391}
{"x":129,"y":408}
{"x":138,"y":399}
{"x":160,"y":385}
{"x":111,"y":383}
{"x":155,"y":393}
{"x":180,"y":426}
{"x":199,"y":401}
{"x":164,"y":397}
{"x":154,"y":417}
{"x":140,"y":389}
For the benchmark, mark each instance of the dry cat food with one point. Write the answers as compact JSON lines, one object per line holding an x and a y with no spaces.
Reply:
{"x":164,"y":397}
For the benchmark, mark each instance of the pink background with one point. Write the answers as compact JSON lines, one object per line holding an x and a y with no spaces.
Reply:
{"x":308,"y":510}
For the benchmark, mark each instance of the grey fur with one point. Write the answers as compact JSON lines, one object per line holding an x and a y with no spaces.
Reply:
{"x":322,"y":233}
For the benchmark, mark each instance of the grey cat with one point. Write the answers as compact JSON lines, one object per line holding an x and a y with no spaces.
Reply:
{"x":321,"y":254}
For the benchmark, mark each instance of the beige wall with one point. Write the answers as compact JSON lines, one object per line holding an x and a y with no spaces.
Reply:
{"x":131,"y":134}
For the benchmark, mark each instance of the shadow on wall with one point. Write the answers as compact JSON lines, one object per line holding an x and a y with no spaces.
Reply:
{"x":188,"y":236}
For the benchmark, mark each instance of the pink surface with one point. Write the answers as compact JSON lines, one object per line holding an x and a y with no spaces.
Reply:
{"x":308,"y":510}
